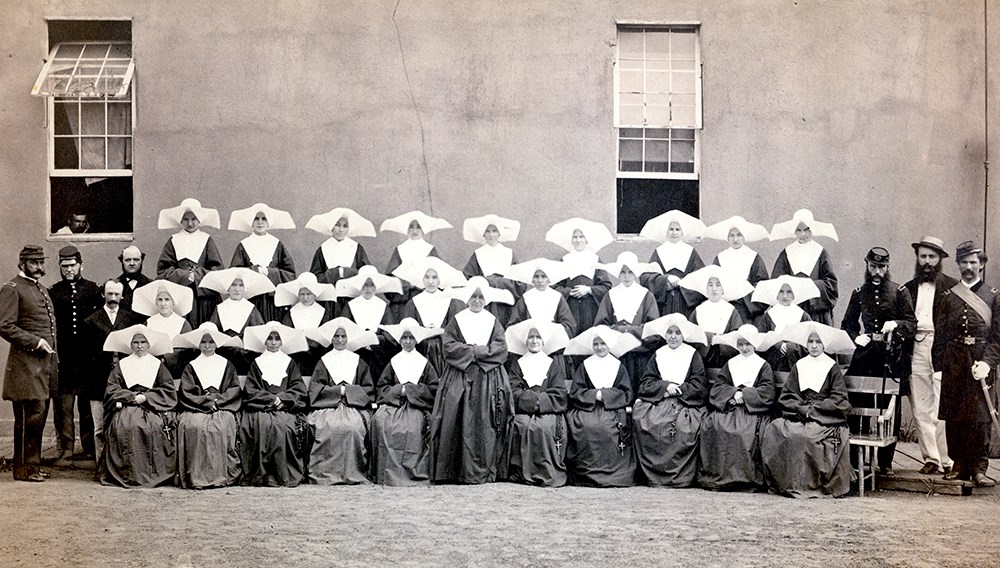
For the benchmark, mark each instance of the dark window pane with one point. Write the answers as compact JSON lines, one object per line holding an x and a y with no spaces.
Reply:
{"x":66,"y":119}
{"x":106,"y":202}
{"x":639,"y":200}
{"x":66,"y":156}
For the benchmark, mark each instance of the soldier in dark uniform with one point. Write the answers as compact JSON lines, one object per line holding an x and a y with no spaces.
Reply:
{"x":131,"y":277}
{"x":74,"y":298}
{"x":966,"y":351}
{"x":28,"y":322}
{"x":885,"y":313}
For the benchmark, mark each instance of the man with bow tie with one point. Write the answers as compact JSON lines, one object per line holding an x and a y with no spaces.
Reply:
{"x":131,"y":277}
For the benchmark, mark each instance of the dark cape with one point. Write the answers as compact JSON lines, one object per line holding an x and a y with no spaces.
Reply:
{"x":141,"y":445}
{"x":819,"y":309}
{"x":400,"y":432}
{"x":538,"y":439}
{"x":500,"y":311}
{"x":635,"y":360}
{"x":432,"y":347}
{"x":168,"y":267}
{"x":339,"y":426}
{"x":670,"y":298}
{"x":281,"y":269}
{"x":206,"y":439}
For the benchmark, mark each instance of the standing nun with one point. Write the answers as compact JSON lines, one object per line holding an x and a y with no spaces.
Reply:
{"x":473,"y":408}
{"x":166,"y":304}
{"x":806,"y":257}
{"x":538,"y":438}
{"x":433,"y":307}
{"x":414,"y":224}
{"x":209,"y":400}
{"x":369,"y":310}
{"x":675,"y":257}
{"x":541,"y":301}
{"x":740,"y":403}
{"x":341,"y":393}
{"x":600,"y":451}
{"x":140,"y":448}
{"x":400,"y":431}
{"x":586,"y":283}
{"x":783,"y":294}
{"x":493,"y":260}
{"x":307,"y":313}
{"x":671,"y":405}
{"x":274,"y":441}
{"x":716,"y":314}
{"x":236,"y":312}
{"x":340,"y":256}
{"x":739,"y":259}
{"x":805,"y":451}
{"x":262,"y":252}
{"x":190,"y":253}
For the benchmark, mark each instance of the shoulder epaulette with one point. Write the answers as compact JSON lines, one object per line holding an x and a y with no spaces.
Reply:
{"x":11,"y":283}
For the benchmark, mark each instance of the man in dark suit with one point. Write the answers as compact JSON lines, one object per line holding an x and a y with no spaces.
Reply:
{"x":100,"y":324}
{"x":926,"y":291}
{"x":28,"y":322}
{"x":131,"y":277}
{"x":74,"y":298}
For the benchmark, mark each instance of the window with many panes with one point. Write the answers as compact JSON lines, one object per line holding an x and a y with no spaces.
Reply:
{"x":657,"y":120}
{"x":89,"y":94}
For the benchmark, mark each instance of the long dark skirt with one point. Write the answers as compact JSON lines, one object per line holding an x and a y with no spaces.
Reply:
{"x":666,"y":441}
{"x":206,"y":450}
{"x":401,"y":446}
{"x":433,"y":349}
{"x":339,"y":452}
{"x":141,"y":448}
{"x":538,"y":450}
{"x":730,"y":450}
{"x":273,"y":448}
{"x":600,"y":452}
{"x":806,"y":459}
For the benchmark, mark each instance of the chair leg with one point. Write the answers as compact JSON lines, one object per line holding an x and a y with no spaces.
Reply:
{"x":861,"y":471}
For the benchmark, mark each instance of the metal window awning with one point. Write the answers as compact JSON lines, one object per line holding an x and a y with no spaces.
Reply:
{"x":86,"y":70}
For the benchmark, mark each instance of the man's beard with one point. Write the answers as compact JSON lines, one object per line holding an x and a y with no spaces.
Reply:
{"x":869,"y":279}
{"x":926,"y":272}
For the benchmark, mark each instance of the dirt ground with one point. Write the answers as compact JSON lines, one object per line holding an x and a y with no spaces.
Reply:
{"x":72,"y":521}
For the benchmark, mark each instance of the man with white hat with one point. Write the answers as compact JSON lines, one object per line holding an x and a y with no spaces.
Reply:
{"x":926,"y":291}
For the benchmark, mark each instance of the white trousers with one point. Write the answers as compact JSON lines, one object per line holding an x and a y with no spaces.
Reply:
{"x":925,"y":396}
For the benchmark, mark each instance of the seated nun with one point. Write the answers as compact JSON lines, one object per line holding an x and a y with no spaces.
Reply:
{"x":274,"y":440}
{"x":236,"y":312}
{"x":716,"y":314}
{"x":670,"y":405}
{"x":433,"y":308}
{"x":140,"y":424}
{"x":341,"y":393}
{"x":400,"y":431}
{"x":340,"y":256}
{"x":740,"y":260}
{"x":740,"y":404}
{"x":675,"y":259}
{"x":208,"y":402}
{"x":368,"y":309}
{"x":190,"y":253}
{"x":262,"y":252}
{"x":307,"y":313}
{"x":782,"y":294}
{"x":414,"y":224}
{"x":493,"y":260}
{"x":600,"y":452}
{"x":473,"y":409}
{"x":538,"y":438}
{"x":806,"y":450}
{"x":166,"y":304}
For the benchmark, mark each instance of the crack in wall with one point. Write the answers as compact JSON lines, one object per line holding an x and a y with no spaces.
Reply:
{"x":416,"y":110}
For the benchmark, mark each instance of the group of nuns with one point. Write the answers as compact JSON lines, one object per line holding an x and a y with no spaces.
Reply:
{"x":542,"y":372}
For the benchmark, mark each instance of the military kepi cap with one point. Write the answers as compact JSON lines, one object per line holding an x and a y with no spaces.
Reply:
{"x":32,"y":252}
{"x":878,"y":255}
{"x":965,"y":249}
{"x":931,"y":243}
{"x":69,"y":253}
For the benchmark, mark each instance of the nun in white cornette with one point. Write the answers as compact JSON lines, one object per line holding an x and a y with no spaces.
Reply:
{"x":586,"y":283}
{"x":783,"y":294}
{"x":716,"y":314}
{"x":307,"y":313}
{"x":739,"y":259}
{"x":340,"y":256}
{"x":740,"y":403}
{"x":433,"y":307}
{"x":236,"y":312}
{"x":540,"y":301}
{"x":400,"y":429}
{"x":166,"y":304}
{"x":190,"y":253}
{"x":368,"y":309}
{"x":675,"y":258}
{"x":262,"y":252}
{"x":208,"y":403}
{"x":493,"y":260}
{"x":415,"y":225}
{"x":600,"y":451}
{"x":806,"y":257}
{"x":670,"y":405}
{"x":341,"y":393}
{"x":538,"y":438}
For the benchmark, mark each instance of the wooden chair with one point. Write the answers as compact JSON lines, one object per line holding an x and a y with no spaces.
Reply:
{"x":877,"y":422}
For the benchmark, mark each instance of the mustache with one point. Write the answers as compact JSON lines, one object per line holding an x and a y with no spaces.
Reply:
{"x":112,"y":303}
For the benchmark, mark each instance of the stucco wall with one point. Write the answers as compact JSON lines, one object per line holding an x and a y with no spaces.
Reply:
{"x":870,"y":115}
